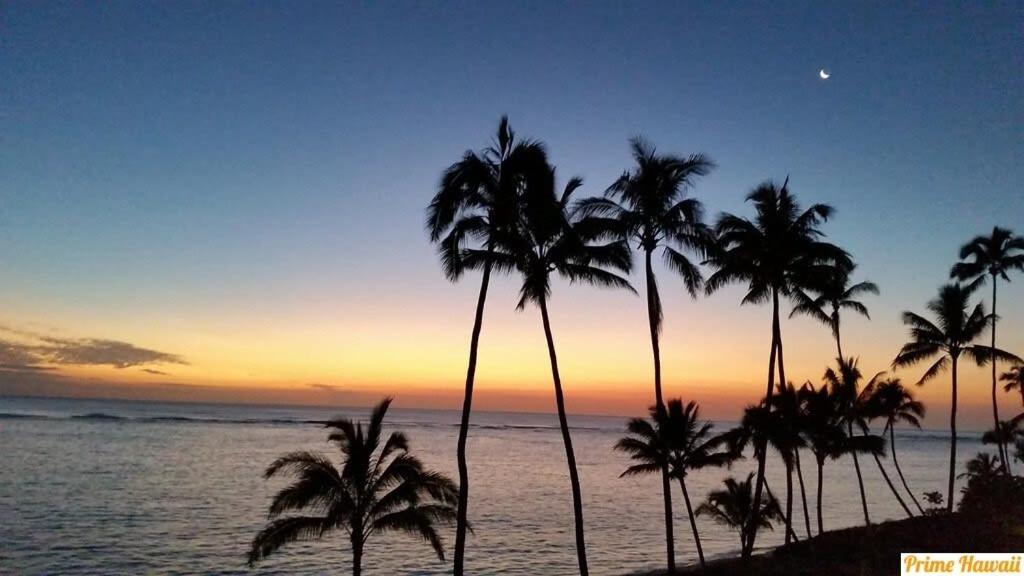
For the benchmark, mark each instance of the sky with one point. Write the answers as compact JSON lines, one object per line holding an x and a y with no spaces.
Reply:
{"x":224,"y":201}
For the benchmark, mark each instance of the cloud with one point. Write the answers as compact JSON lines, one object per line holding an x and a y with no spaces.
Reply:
{"x":33,"y":351}
{"x":24,"y":368}
{"x":326,"y":387}
{"x":96,"y":352}
{"x":156,"y":372}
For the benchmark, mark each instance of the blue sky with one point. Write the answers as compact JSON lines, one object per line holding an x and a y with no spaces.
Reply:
{"x":163,"y":160}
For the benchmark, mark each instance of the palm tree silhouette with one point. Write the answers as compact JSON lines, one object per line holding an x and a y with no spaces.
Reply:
{"x":994,"y":256}
{"x":734,"y":507}
{"x":776,"y":254}
{"x":647,"y":206}
{"x":867,"y":408}
{"x":949,"y":338}
{"x":779,"y":427}
{"x":1014,"y":378}
{"x":1005,"y":434}
{"x":827,"y":434}
{"x":792,"y":405}
{"x":834,"y":296}
{"x":546,"y":241}
{"x":844,"y":384}
{"x":379,"y":487}
{"x":674,"y":439}
{"x":896,"y":403}
{"x":477,"y":199}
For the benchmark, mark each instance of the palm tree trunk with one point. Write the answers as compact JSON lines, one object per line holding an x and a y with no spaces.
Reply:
{"x":461,"y":518}
{"x":952,"y":443}
{"x":693,"y":523}
{"x":860,"y":479}
{"x":891,"y":486}
{"x":821,"y":471}
{"x":789,"y":502}
{"x":570,"y":456}
{"x":835,"y":332}
{"x":666,"y":487}
{"x":761,"y":446}
{"x":803,"y":493}
{"x":357,"y":555}
{"x":768,"y":491}
{"x":995,"y":403}
{"x":892,"y":442}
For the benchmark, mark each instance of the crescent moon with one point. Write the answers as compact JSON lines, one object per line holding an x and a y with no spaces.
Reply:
{"x":823,"y":74}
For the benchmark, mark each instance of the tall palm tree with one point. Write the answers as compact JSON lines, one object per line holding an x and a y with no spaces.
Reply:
{"x":994,"y":255}
{"x":476,"y":200}
{"x":379,"y":487}
{"x":548,"y":240}
{"x":951,"y":336}
{"x":1014,"y":378}
{"x":897,"y":404}
{"x":832,"y":297}
{"x":734,"y":507}
{"x":777,"y":253}
{"x":649,"y":208}
{"x":674,"y":439}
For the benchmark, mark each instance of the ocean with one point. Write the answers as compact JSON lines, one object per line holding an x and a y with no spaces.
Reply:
{"x":117,"y":487}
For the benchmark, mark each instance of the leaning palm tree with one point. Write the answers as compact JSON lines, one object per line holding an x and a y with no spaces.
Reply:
{"x":994,"y":255}
{"x":777,"y":253}
{"x":896,"y":404}
{"x":952,"y":335}
{"x":379,"y":487}
{"x":674,"y":439}
{"x":546,"y":241}
{"x":734,"y":507}
{"x":648,"y":207}
{"x":1014,"y":378}
{"x":477,"y":199}
{"x":832,"y":297}
{"x":867,"y":408}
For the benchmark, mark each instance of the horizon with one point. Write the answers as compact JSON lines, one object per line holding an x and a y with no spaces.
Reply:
{"x":228,"y":201}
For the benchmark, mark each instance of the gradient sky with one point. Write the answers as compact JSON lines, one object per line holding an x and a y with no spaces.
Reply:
{"x":233,"y":192}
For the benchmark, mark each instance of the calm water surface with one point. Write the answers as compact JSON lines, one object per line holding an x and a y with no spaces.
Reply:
{"x":90,"y":487}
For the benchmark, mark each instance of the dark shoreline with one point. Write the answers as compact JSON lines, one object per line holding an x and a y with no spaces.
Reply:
{"x":875,"y":550}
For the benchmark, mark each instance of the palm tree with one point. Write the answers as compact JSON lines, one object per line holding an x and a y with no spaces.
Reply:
{"x":994,"y":256}
{"x":379,"y":487}
{"x":950,"y":337}
{"x":844,"y":384}
{"x":826,"y":433}
{"x":1014,"y":378}
{"x":546,"y":241}
{"x":792,"y":403}
{"x":867,"y":408}
{"x":777,"y":253}
{"x":780,"y":429}
{"x":674,"y":439}
{"x":475,"y":201}
{"x":1004,"y":435}
{"x":834,"y":296}
{"x":649,"y":209}
{"x":734,"y":507}
{"x":897,"y":404}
